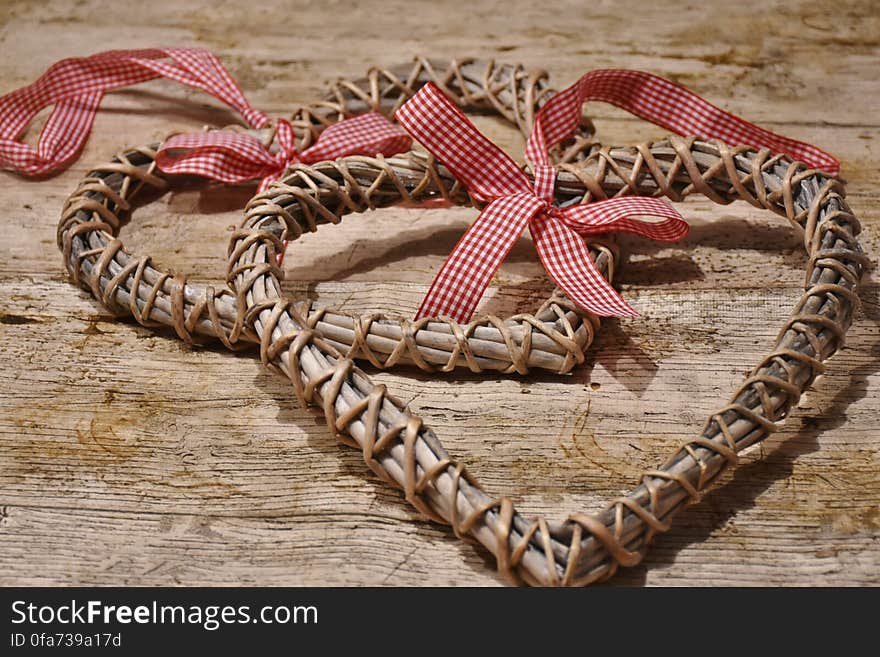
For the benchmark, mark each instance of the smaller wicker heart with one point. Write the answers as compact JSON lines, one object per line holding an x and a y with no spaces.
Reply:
{"x":553,"y":338}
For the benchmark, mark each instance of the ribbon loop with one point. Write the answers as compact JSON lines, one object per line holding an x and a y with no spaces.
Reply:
{"x":228,"y":157}
{"x":441,"y":127}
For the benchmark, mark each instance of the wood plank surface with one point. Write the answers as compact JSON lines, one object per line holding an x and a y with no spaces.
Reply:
{"x":127,"y":458}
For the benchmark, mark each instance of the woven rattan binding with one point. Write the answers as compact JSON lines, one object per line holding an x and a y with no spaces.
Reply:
{"x":401,"y":450}
{"x":554,"y":338}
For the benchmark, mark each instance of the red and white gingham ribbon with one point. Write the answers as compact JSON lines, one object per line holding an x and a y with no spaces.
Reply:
{"x":236,"y":157}
{"x":514,"y":202}
{"x":75,"y":86}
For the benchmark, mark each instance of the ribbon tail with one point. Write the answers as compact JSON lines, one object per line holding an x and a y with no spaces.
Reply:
{"x":202,"y":69}
{"x":461,"y":281}
{"x":669,"y":105}
{"x":567,"y":260}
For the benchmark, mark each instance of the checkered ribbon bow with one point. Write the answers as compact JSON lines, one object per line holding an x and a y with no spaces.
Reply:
{"x":514,"y":202}
{"x":76,"y":86}
{"x":235,"y":157}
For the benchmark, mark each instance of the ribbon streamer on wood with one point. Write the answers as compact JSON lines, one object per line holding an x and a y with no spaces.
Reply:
{"x":76,"y":86}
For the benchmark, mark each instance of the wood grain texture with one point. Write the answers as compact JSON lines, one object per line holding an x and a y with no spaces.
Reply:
{"x":126,"y":458}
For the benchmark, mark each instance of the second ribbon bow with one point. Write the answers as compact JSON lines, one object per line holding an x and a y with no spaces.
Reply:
{"x":515,"y":202}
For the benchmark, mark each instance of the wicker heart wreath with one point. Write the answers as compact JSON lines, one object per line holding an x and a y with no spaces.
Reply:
{"x":304,"y":345}
{"x":553,"y":338}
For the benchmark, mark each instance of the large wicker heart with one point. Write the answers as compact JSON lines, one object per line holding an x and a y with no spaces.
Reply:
{"x":553,"y":338}
{"x":400,"y":449}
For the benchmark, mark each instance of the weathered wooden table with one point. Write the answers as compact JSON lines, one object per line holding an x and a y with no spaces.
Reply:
{"x":127,"y":458}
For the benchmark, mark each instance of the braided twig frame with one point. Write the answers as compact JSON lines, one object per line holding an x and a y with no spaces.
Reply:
{"x":554,"y":338}
{"x":401,"y":450}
